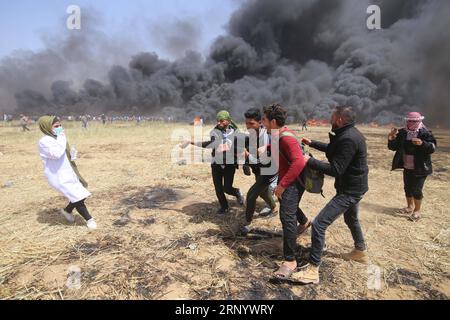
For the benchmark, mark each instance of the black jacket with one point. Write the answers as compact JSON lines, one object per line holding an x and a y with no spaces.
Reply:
{"x":347,"y":156}
{"x":422,"y":154}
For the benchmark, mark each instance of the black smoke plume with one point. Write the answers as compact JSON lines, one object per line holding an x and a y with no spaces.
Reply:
{"x":309,"y":55}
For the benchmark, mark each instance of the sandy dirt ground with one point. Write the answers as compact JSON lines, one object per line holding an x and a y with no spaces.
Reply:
{"x":159,"y":236}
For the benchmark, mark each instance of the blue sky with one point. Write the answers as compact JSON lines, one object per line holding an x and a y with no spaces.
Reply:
{"x":24,"y":22}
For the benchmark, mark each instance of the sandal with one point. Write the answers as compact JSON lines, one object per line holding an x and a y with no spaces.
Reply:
{"x":406,"y":210}
{"x":415,"y":216}
{"x":284,"y":272}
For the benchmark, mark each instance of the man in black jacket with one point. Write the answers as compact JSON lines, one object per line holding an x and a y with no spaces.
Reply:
{"x":413,"y":146}
{"x":347,"y":156}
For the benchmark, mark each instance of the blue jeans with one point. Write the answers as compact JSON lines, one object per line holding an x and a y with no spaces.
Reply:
{"x":340,"y":204}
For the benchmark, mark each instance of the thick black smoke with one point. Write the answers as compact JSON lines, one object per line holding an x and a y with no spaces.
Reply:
{"x":177,"y":36}
{"x":310,"y":55}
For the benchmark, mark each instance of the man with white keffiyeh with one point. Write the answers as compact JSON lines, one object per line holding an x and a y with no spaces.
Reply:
{"x":414,"y":145}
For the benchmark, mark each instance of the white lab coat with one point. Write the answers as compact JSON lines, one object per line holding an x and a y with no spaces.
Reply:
{"x":58,"y":170}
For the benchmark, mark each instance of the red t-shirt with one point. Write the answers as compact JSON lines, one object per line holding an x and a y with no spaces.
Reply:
{"x":291,"y":160}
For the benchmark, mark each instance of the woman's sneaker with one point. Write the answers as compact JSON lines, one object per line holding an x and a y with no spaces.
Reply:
{"x":91,"y":224}
{"x":68,"y":216}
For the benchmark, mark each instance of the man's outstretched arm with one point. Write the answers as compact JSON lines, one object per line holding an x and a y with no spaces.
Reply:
{"x":316,"y":144}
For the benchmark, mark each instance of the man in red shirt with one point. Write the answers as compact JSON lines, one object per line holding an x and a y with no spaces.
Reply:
{"x":291,"y":163}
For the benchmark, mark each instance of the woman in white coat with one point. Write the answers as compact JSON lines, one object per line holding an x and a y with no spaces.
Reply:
{"x":61,"y":171}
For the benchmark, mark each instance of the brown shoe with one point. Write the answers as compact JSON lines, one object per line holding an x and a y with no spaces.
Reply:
{"x":310,"y":275}
{"x":302,"y":228}
{"x":357,"y":255}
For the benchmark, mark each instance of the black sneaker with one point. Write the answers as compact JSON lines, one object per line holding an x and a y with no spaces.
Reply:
{"x":240,"y":199}
{"x":222,"y":211}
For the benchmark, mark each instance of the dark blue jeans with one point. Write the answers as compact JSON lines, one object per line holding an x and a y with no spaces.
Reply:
{"x":340,"y":204}
{"x":291,"y":215}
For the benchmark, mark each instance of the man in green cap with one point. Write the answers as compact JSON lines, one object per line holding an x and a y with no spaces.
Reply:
{"x":223,"y":142}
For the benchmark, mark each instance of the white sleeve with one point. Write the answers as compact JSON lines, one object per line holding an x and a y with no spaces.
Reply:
{"x":53,"y":148}
{"x":265,"y":138}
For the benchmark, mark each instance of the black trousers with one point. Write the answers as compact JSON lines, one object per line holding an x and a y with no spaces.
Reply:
{"x":413,"y":184}
{"x":81,"y":208}
{"x":223,"y":179}
{"x":291,"y":215}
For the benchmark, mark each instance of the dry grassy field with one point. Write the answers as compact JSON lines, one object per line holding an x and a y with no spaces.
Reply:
{"x":159,"y":236}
